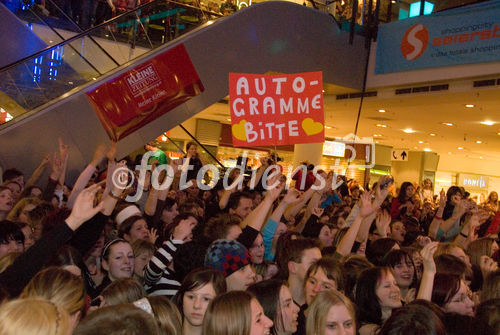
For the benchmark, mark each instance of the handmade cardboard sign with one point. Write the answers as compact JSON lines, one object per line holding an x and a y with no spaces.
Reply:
{"x":276,"y":109}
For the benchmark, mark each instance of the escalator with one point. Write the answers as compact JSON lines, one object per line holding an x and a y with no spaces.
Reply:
{"x":279,"y":37}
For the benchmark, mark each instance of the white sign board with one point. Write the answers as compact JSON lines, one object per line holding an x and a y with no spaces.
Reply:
{"x":336,"y":149}
{"x":399,"y":155}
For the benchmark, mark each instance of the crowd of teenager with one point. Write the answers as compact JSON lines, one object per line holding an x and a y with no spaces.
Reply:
{"x":265,"y":256}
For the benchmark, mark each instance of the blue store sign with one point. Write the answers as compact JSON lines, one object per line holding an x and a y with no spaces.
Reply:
{"x":463,"y":36}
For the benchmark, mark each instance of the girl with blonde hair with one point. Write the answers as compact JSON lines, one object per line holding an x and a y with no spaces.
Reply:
{"x":331,"y":310}
{"x":62,"y":288}
{"x":236,"y":313}
{"x":33,"y":316}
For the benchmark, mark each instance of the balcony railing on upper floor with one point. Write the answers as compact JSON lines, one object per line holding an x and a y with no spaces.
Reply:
{"x":37,"y":79}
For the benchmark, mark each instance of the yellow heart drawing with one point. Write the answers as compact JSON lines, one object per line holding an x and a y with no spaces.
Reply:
{"x":239,"y":130}
{"x":311,"y":127}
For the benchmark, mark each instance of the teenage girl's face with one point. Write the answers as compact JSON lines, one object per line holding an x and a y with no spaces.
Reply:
{"x":256,"y":251}
{"x":192,"y":151}
{"x":138,"y":231}
{"x":404,"y":273}
{"x":9,"y":246}
{"x":15,"y":189}
{"x":195,"y":303}
{"x":398,"y":231}
{"x":289,"y":311}
{"x":409,"y":192}
{"x":120,"y":262}
{"x":317,"y":282}
{"x":455,"y":199}
{"x":23,"y":214}
{"x":461,"y":303}
{"x":261,"y":324}
{"x":339,"y":321}
{"x":140,"y":262}
{"x":325,"y":236}
{"x":6,"y":201}
{"x":387,"y":291}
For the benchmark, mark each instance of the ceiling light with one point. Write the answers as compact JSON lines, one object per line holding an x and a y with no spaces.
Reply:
{"x":427,"y":149}
{"x":420,"y":142}
{"x":479,"y":142}
{"x":229,"y":119}
{"x":409,"y":131}
{"x":460,"y":148}
{"x":470,"y":106}
{"x":328,"y":127}
{"x":377,"y":135}
{"x":481,"y":157}
{"x":498,"y":133}
{"x":488,"y":123}
{"x":448,"y":124}
{"x":382,"y":125}
{"x":432,"y":134}
{"x":381,"y":110}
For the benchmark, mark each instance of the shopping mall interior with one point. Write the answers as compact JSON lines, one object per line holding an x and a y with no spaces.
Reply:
{"x":446,"y":118}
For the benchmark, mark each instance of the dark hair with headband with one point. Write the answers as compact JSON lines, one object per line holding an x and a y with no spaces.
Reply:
{"x":107,"y":247}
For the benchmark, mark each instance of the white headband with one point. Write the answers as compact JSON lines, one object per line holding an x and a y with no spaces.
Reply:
{"x":126,"y":213}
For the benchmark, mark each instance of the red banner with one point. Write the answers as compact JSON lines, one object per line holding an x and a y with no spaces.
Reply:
{"x":276,"y":109}
{"x":146,"y":92}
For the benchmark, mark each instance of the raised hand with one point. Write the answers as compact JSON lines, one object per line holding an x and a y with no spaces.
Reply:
{"x":427,"y":253}
{"x":382,"y":222}
{"x":318,"y":211}
{"x":57,"y":167}
{"x":153,"y":235}
{"x":381,"y":193}
{"x":423,"y":240}
{"x":292,"y":196}
{"x":442,"y":198}
{"x":274,"y":192}
{"x":366,"y":207}
{"x":84,"y":208}
{"x":183,"y":231}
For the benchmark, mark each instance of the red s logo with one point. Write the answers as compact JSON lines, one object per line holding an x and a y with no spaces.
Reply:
{"x":414,"y":42}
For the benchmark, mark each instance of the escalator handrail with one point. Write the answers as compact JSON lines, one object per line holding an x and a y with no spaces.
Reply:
{"x":70,"y":19}
{"x":88,"y":31}
{"x":201,"y":145}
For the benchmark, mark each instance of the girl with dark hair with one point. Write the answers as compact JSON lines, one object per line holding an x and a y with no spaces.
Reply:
{"x":278,"y":305}
{"x":455,"y":207}
{"x":452,"y":295}
{"x":377,"y":294}
{"x":403,"y":202}
{"x":192,"y":158}
{"x":197,"y":290}
{"x":413,"y":320}
{"x":11,"y":238}
{"x":404,"y":272}
{"x":376,"y":251}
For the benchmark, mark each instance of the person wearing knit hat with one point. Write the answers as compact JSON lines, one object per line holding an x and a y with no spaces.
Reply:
{"x":232,"y":259}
